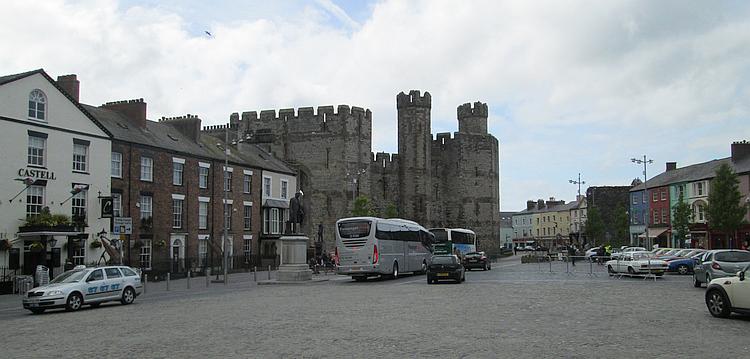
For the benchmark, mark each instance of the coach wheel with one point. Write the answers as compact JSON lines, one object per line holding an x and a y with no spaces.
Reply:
{"x":395,"y":270}
{"x":424,"y":268}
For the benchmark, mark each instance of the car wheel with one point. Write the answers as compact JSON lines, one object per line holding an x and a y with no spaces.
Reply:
{"x":429,"y":281}
{"x":74,"y":302}
{"x":463,"y":277}
{"x":610,"y":270}
{"x":717,"y":303}
{"x":424,"y":268}
{"x":128,"y":296}
{"x":489,"y":267}
{"x":37,"y":310}
{"x":395,"y":270}
{"x":631,"y":271}
{"x":683,"y":269}
{"x":696,"y":282}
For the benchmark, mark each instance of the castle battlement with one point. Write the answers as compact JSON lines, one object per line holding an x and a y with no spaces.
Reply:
{"x":384,"y":159}
{"x":218,"y":128}
{"x":323,"y":113}
{"x":413,"y":99}
{"x":443,"y":137}
{"x":478,"y":109}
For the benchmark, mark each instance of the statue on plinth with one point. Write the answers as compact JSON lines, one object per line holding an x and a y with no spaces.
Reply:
{"x":296,"y":212}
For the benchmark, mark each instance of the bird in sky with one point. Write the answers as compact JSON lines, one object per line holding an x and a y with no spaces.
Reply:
{"x":208,"y":33}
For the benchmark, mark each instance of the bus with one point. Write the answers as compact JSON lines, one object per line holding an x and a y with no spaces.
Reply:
{"x":450,"y":240}
{"x":370,"y":246}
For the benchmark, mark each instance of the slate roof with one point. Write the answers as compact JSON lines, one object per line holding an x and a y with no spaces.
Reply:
{"x":246,"y":153}
{"x":14,"y":77}
{"x":696,"y":172}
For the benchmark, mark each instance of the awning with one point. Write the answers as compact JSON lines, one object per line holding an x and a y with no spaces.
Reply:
{"x":653,"y":232}
{"x":275,"y":203}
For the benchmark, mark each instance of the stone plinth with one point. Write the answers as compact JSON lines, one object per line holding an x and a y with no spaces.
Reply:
{"x":294,"y":266}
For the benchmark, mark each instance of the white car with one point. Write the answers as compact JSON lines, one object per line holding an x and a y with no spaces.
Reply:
{"x":637,"y":263}
{"x":729,"y":294}
{"x":627,"y":250}
{"x":85,"y":286}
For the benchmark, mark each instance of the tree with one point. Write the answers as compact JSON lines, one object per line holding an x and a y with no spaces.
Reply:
{"x":725,"y":210}
{"x":681,"y":222}
{"x":391,"y":211}
{"x":594,"y":227}
{"x":621,"y":226}
{"x":363,"y":207}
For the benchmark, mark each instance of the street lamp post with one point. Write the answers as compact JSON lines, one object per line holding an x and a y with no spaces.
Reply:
{"x":579,"y":183}
{"x":645,"y":162}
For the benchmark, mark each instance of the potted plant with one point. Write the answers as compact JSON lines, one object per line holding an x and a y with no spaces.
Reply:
{"x":160,"y":243}
{"x":95,"y":244}
{"x":36,"y":247}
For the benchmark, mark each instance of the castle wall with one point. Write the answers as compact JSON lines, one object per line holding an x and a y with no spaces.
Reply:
{"x":414,"y":147}
{"x":384,"y":182}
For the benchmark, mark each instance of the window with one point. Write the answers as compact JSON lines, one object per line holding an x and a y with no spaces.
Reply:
{"x":663,"y":195}
{"x":35,"y":151}
{"x":95,"y":275}
{"x":79,"y":254}
{"x":635,"y":199}
{"x":178,"y":169}
{"x":284,"y":185}
{"x":699,"y":189}
{"x":117,"y":164}
{"x":246,"y":248}
{"x":247,"y":217}
{"x":664,"y":216}
{"x":228,"y":181}
{"x":655,"y":196}
{"x":202,"y":215}
{"x":37,"y":105}
{"x":177,"y":212}
{"x":656,"y":216}
{"x":267,"y":186}
{"x":145,"y":256}
{"x":146,"y":206}
{"x":80,"y":155}
{"x":112,"y":273}
{"x":202,"y":250}
{"x":228,"y":215}
{"x":247,"y":183}
{"x":699,"y":211}
{"x":147,"y":169}
{"x":34,"y":200}
{"x":78,"y":205}
{"x":203,"y":177}
{"x":117,"y":204}
{"x":681,"y":191}
{"x":271,"y":221}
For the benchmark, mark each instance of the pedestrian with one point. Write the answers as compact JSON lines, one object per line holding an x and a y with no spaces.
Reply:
{"x":572,"y":254}
{"x":514,"y":250}
{"x":600,"y":254}
{"x":744,"y":246}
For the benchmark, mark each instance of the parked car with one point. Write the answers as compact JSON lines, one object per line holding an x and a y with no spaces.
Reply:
{"x":616,"y":255}
{"x":684,"y":265}
{"x":445,"y":267}
{"x":728,"y":295}
{"x":635,"y":263}
{"x":477,"y":260}
{"x":720,"y":263}
{"x":85,"y":286}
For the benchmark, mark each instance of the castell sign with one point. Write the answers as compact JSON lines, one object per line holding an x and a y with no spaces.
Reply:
{"x":36,"y":173}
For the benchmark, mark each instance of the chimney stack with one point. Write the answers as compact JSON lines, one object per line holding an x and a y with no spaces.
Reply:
{"x":133,"y":110}
{"x":740,"y":150}
{"x":530,"y":205}
{"x":189,"y":125}
{"x":671,"y":166}
{"x":69,"y":84}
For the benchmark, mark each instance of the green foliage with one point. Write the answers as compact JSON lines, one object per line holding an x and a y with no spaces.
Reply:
{"x":594,"y":227}
{"x":362,"y":207}
{"x":95,"y":244}
{"x":726,"y":210}
{"x":621,"y":226}
{"x":391,"y":211}
{"x":681,"y":221}
{"x":45,"y":218}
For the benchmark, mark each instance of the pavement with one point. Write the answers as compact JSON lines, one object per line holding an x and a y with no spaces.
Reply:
{"x":515,"y":311}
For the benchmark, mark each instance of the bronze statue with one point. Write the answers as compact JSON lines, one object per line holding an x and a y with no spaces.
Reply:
{"x":296,"y":213}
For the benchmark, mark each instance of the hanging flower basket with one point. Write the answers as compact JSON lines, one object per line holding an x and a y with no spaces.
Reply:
{"x":160,"y":243}
{"x":36,"y":247}
{"x":95,"y":244}
{"x":5,"y":245}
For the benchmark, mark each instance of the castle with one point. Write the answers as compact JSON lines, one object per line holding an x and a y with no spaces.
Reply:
{"x":447,"y":181}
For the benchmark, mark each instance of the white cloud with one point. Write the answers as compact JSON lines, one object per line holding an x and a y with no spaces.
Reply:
{"x":572,"y":86}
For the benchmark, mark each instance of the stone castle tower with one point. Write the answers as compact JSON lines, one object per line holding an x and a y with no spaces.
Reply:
{"x":443,"y":182}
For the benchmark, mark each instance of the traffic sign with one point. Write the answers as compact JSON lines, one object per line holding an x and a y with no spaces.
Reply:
{"x":122,"y":225}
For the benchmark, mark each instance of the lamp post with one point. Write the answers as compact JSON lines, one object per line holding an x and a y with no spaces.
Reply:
{"x":578,"y":219}
{"x":355,"y":180}
{"x":645,"y":162}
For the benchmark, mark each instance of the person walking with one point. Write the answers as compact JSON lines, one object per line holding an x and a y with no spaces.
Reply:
{"x":572,"y":254}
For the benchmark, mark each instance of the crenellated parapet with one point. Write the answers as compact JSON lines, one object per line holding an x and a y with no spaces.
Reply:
{"x":321,"y":113}
{"x":384,"y":160}
{"x":472,"y":119}
{"x":413,"y":99}
{"x":478,"y":109}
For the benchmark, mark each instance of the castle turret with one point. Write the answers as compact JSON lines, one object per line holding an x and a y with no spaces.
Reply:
{"x":472,"y":119}
{"x":414,"y":147}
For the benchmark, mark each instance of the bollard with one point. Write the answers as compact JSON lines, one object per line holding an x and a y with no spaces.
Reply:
{"x":269,"y":272}
{"x":208,"y":274}
{"x":145,"y":280}
{"x":255,"y":274}
{"x":188,"y":280}
{"x":591,"y":268}
{"x":549,"y":259}
{"x":168,"y":275}
{"x":567,"y":266}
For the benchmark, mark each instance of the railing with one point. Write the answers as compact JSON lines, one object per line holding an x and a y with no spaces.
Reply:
{"x":591,"y":266}
{"x":199,"y":266}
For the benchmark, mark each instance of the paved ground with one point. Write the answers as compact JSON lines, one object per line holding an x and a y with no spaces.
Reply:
{"x":515,"y":310}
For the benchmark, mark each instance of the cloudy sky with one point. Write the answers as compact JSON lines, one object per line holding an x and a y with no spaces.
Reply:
{"x":573,"y":86}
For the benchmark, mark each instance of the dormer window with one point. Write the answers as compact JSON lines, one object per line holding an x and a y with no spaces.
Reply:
{"x":37,"y":105}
